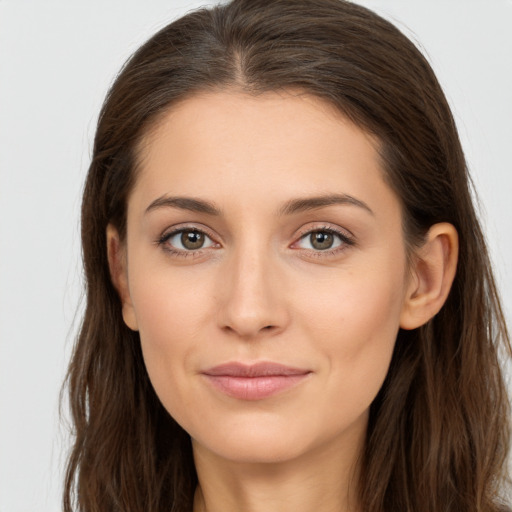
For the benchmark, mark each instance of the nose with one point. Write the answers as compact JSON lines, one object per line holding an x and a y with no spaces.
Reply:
{"x":252,"y":299}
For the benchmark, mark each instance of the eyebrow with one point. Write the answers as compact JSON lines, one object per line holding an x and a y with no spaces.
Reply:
{"x":184,"y":203}
{"x":313,"y":203}
{"x":289,"y":208}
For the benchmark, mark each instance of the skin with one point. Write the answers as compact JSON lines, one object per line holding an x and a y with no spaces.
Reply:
{"x":259,"y":290}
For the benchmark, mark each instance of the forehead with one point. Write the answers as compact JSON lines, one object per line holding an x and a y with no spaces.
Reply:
{"x":231,"y":144}
{"x":291,"y":115}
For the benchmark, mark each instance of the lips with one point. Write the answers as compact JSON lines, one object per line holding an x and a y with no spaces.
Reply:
{"x":254,"y":381}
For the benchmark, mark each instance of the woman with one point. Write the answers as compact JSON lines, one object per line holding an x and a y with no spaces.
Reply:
{"x":289,"y":299}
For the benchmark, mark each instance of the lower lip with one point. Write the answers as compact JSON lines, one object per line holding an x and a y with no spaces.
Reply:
{"x":254,"y":388}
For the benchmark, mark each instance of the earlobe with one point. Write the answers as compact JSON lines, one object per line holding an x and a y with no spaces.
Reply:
{"x":434,"y":267}
{"x":116,"y":253}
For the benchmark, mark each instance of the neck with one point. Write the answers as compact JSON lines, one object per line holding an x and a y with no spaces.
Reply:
{"x":313,"y":482}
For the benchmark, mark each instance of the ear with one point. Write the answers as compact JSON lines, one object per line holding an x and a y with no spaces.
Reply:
{"x":432,"y":274}
{"x":117,"y":262}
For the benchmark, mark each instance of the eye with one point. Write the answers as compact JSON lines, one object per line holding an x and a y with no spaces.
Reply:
{"x":187,"y":240}
{"x":323,"y":240}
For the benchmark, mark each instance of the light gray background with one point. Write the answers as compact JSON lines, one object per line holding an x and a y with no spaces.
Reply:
{"x":57,"y":59}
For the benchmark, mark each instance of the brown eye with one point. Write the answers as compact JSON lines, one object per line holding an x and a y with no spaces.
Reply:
{"x":192,"y":240}
{"x":321,"y":240}
{"x":186,"y":240}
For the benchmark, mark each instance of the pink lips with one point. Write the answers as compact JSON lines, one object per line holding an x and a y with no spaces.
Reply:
{"x":256,"y":381}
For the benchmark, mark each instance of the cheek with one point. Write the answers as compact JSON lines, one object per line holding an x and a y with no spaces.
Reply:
{"x":356,"y":323}
{"x":169,"y":303}
{"x":172,"y":310}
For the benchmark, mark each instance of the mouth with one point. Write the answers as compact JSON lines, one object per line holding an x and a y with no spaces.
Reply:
{"x":254,"y":381}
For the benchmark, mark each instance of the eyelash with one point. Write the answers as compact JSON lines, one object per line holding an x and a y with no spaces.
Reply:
{"x":162,"y":241}
{"x":344,"y":239}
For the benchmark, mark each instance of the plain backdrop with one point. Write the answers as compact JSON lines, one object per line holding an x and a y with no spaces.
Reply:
{"x":57,"y":59}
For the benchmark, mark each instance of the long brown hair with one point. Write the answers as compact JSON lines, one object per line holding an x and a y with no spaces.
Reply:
{"x":438,"y":434}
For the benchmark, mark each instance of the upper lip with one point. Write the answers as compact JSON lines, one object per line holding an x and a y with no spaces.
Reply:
{"x":261,"y":369}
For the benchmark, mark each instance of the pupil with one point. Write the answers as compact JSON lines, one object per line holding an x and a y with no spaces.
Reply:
{"x":322,"y":240}
{"x":192,"y":239}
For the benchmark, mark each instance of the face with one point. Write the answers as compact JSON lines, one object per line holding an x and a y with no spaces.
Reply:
{"x":265,"y":269}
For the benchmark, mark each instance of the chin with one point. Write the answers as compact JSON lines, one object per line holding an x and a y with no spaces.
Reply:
{"x":253,"y":450}
{"x":267,"y":442}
